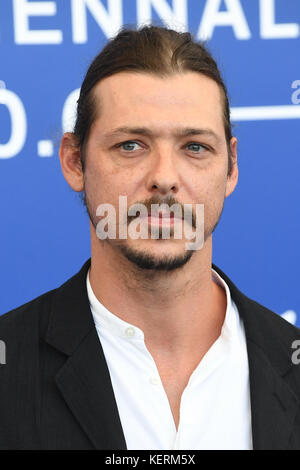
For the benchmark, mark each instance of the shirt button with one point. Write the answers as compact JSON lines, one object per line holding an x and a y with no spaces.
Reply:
{"x":129,"y":332}
{"x":154,"y":380}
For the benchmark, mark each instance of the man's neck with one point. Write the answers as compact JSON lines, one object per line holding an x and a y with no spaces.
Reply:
{"x":173,"y":309}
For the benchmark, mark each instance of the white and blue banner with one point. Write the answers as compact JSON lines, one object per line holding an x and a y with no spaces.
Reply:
{"x":45,"y":50}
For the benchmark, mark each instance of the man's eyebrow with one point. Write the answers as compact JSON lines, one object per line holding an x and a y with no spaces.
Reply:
{"x":183,"y":132}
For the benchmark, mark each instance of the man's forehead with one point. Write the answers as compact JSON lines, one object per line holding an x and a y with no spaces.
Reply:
{"x":166,"y":108}
{"x":185,"y":86}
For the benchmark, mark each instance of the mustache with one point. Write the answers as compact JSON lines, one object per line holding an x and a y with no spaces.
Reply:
{"x":186,"y":211}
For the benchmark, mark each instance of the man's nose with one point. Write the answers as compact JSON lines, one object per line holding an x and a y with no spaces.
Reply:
{"x":163,"y":176}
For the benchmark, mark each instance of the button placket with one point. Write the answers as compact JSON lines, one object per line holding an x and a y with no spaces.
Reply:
{"x":129,"y":332}
{"x":154,"y":380}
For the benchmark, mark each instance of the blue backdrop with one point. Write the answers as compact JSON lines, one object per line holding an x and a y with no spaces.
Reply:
{"x":45,"y":49}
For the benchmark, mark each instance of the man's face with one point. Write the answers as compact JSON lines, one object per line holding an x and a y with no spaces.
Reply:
{"x":158,"y":164}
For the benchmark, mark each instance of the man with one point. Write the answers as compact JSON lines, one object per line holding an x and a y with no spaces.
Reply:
{"x":149,"y":346}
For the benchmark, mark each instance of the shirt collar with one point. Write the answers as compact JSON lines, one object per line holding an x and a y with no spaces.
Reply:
{"x":230,"y":325}
{"x":103,"y":318}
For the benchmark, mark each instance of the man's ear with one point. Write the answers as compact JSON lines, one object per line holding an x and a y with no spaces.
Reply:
{"x":69,"y":155}
{"x":232,"y":179}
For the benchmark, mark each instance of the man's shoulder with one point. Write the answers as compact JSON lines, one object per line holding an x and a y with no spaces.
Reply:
{"x":261,"y":322}
{"x":271,"y":320}
{"x":33,"y":311}
{"x":35,"y":314}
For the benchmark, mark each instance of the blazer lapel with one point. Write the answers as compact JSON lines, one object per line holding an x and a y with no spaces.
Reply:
{"x":84,"y":379}
{"x":274,"y":404}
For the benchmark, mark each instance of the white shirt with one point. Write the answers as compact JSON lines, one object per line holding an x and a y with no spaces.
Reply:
{"x":215,"y":405}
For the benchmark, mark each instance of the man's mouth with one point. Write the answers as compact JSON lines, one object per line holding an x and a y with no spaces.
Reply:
{"x":163,"y":219}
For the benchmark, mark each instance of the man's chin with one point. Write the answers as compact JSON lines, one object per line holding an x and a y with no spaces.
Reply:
{"x":156,"y":262}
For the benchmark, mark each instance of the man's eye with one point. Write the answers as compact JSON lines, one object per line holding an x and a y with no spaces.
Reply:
{"x":197,"y":147}
{"x":128,"y":145}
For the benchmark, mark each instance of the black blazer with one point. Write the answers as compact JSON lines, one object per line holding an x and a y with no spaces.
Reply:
{"x":56,"y":392}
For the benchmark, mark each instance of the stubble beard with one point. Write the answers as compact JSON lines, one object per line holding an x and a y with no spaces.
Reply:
{"x":144,"y":260}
